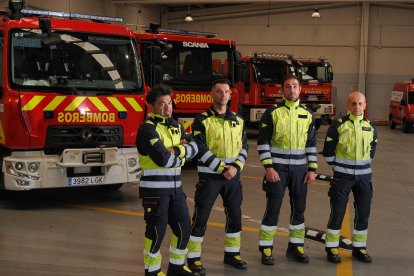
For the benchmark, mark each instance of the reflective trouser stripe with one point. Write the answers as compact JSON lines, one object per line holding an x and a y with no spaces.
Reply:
{"x":152,"y":261}
{"x":232,"y":242}
{"x":332,"y":238}
{"x":359,"y":238}
{"x":266,"y":235}
{"x":297,"y":233}
{"x":194,"y":247}
{"x":177,"y":256}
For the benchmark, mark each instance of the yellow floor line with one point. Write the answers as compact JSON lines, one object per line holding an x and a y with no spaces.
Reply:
{"x":344,"y":268}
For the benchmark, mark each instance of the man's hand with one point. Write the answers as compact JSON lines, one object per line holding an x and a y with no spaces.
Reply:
{"x":229,"y":172}
{"x":272,"y":175}
{"x":309,"y":177}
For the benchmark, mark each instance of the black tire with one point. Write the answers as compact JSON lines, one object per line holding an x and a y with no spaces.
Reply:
{"x":406,"y":127}
{"x":392,"y":125}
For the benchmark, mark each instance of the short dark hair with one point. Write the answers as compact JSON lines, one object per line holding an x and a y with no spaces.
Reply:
{"x":290,"y":77}
{"x":221,"y":81}
{"x":157,"y":91}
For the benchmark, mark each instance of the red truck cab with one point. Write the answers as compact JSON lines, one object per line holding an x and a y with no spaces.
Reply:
{"x":402,"y":105}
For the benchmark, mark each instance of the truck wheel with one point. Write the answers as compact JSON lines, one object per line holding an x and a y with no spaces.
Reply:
{"x":392,"y":125}
{"x":406,"y":126}
{"x":111,"y":187}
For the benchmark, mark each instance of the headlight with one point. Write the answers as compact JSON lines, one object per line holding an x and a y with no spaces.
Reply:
{"x":132,"y":162}
{"x":33,"y":167}
{"x":18,"y":166}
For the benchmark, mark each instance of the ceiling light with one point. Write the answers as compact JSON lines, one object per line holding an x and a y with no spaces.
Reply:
{"x":188,"y":18}
{"x":316,"y":14}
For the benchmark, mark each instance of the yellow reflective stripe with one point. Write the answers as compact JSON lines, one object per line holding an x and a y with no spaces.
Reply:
{"x":99,"y":105}
{"x":54,"y":103}
{"x":187,"y":124}
{"x":135,"y":105}
{"x":33,"y":103}
{"x":75,"y":103}
{"x":117,"y":104}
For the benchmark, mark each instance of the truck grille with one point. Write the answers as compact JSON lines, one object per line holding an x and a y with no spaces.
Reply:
{"x":59,"y":138}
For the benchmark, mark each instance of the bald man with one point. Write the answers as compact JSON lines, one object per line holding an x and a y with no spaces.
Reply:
{"x":349,"y":149}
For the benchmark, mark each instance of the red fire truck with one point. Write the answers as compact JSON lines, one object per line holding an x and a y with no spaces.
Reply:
{"x":72,"y":99}
{"x":316,"y":77}
{"x":262,"y":75}
{"x":188,"y":61}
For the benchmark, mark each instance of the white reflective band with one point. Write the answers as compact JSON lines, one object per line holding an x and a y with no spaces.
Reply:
{"x":353,"y":162}
{"x":265,"y":155}
{"x":268,"y":228}
{"x":263,"y":147}
{"x":232,"y":249}
{"x":196,"y":239}
{"x":206,"y":170}
{"x":214,"y":164}
{"x":332,"y":244}
{"x":296,"y":240}
{"x":330,"y":159}
{"x":289,"y":161}
{"x":265,"y":243}
{"x":177,"y":261}
{"x":170,"y":160}
{"x":312,"y":158}
{"x":241,"y":159}
{"x":159,"y":185}
{"x":169,"y":172}
{"x":363,"y":232}
{"x":228,"y":160}
{"x":178,"y":251}
{"x":189,"y":148}
{"x":152,"y":255}
{"x":297,"y":227}
{"x":352,"y":171}
{"x":153,"y":267}
{"x":359,"y":244}
{"x":243,"y":152}
{"x":288,"y":151}
{"x":206,"y":156}
{"x":191,"y":255}
{"x":310,"y":150}
{"x":331,"y":231}
{"x":232,"y":235}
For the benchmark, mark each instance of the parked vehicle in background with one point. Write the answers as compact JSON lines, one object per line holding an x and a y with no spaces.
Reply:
{"x":260,"y":84}
{"x":316,"y":78}
{"x":188,"y":61}
{"x":402,"y":105}
{"x":72,"y":99}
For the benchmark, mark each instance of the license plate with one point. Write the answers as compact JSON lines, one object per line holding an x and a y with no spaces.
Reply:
{"x":87,"y":180}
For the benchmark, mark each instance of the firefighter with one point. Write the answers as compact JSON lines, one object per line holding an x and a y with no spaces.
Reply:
{"x":349,"y":149}
{"x":163,"y":147}
{"x":287,"y":150}
{"x":221,"y":138}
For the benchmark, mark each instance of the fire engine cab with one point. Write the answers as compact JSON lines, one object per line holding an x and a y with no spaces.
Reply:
{"x":72,"y":99}
{"x":262,"y":76}
{"x":188,"y":62}
{"x":402,"y":105}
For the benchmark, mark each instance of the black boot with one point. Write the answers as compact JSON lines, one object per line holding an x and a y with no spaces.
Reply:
{"x":267,"y":257}
{"x":196,"y":266}
{"x":180,"y":270}
{"x":235,"y":261}
{"x":296,"y":253}
{"x":360,"y":253}
{"x":332,"y":254}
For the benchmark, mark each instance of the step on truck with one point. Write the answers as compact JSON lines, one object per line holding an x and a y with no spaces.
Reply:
{"x":72,"y":98}
{"x":188,"y":62}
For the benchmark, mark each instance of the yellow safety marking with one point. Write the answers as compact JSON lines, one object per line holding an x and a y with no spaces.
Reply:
{"x":54,"y":103}
{"x":33,"y":103}
{"x":99,"y":105}
{"x":75,"y":103}
{"x":187,"y":124}
{"x":117,"y":104}
{"x":344,"y":268}
{"x":2,"y":138}
{"x":86,"y":109}
{"x":135,"y":105}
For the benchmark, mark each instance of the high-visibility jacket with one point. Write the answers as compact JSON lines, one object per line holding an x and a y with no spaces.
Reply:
{"x":161,"y":168}
{"x":221,"y":140}
{"x":287,"y":136}
{"x":350,"y":145}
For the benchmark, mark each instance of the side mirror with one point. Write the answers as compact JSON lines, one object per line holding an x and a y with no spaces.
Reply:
{"x":403,"y":102}
{"x":331,"y":76}
{"x":244,"y":73}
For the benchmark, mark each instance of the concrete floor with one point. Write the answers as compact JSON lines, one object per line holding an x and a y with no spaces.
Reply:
{"x":94,"y":232}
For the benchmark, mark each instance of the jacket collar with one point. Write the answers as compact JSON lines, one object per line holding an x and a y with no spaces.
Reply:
{"x":355,"y":118}
{"x":291,"y":104}
{"x":228,"y":116}
{"x":156,"y":118}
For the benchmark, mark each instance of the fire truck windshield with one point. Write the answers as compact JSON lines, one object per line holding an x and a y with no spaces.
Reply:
{"x":194,"y":68}
{"x":271,"y":71}
{"x":77,"y":62}
{"x":315,"y":73}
